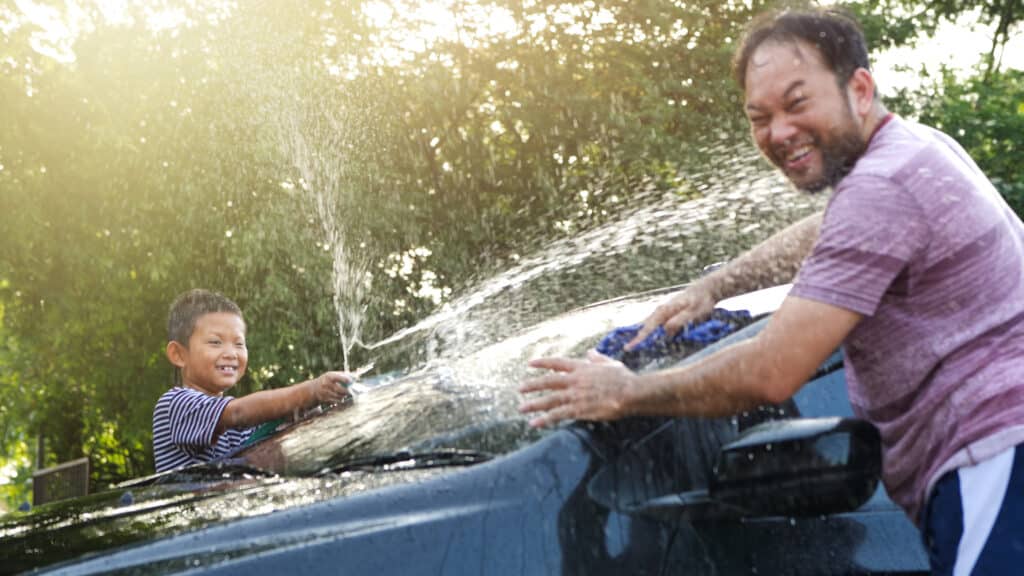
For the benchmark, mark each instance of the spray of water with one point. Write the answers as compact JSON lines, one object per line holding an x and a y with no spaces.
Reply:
{"x":317,"y":141}
{"x":662,"y":238}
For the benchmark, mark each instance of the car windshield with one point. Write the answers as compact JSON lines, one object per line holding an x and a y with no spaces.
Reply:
{"x":467,"y":404}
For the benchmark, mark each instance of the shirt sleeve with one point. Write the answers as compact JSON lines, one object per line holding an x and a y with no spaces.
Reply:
{"x":194,"y":417}
{"x":872,"y":231}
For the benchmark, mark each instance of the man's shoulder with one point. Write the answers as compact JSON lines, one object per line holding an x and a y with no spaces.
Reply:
{"x":902,"y":147}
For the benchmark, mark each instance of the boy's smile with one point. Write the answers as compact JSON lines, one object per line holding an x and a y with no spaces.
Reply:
{"x":216,"y":357}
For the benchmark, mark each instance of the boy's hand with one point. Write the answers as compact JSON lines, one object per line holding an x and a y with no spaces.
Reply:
{"x":331,"y":387}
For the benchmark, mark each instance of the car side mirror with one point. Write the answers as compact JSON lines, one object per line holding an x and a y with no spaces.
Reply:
{"x":799,"y":467}
{"x":791,"y":467}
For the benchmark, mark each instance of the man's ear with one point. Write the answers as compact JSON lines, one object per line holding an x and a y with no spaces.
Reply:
{"x":176,"y":353}
{"x":861,"y":91}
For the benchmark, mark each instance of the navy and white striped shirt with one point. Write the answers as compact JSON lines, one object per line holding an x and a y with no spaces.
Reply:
{"x":184,"y":421}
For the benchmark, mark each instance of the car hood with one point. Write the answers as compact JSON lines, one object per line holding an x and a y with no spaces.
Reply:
{"x":467,"y":403}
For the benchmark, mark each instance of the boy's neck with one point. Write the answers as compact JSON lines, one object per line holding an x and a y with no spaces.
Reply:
{"x":199,"y":389}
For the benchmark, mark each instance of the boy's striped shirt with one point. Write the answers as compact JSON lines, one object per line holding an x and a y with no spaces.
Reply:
{"x":184,"y":421}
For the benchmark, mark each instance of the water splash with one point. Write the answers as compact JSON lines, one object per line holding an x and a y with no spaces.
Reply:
{"x":319,"y":142}
{"x":660,"y":239}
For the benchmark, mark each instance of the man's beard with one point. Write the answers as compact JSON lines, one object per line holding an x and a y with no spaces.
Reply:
{"x":838,"y":158}
{"x":839,"y":154}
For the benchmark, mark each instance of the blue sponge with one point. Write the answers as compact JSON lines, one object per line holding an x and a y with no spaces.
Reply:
{"x":695,"y":335}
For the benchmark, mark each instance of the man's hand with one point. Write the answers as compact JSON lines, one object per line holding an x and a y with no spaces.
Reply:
{"x":593,"y":389}
{"x":693,"y":303}
{"x":331,"y":387}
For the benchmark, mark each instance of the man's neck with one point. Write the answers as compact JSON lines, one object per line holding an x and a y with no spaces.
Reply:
{"x":873,"y":121}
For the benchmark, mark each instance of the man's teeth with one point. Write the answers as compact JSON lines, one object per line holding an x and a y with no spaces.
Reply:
{"x":798,"y":153}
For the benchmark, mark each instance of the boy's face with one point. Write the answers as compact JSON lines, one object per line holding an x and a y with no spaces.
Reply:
{"x":216,"y":356}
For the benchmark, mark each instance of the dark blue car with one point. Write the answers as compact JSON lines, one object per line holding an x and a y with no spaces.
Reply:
{"x":435,"y":473}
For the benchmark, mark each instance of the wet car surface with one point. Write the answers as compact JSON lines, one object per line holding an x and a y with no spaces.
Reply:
{"x":435,"y":472}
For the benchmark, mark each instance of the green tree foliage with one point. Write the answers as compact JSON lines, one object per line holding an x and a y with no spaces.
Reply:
{"x":897,"y":22}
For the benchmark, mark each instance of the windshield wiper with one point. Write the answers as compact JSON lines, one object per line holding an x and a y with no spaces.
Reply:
{"x":406,"y":460}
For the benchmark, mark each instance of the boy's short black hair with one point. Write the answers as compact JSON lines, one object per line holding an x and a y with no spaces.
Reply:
{"x":188,"y":307}
{"x":837,"y":36}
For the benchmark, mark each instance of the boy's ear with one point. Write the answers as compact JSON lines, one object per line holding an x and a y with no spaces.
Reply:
{"x":176,"y":353}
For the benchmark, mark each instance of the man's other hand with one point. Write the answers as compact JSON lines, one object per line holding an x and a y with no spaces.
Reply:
{"x":690,"y":305}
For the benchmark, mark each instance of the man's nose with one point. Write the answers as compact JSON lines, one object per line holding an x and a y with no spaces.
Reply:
{"x":782,"y":130}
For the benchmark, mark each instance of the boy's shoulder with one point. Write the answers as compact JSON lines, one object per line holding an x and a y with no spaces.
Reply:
{"x":180,"y":396}
{"x":176,"y":393}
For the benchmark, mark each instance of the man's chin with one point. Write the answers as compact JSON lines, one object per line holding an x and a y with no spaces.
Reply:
{"x":810,"y":185}
{"x":815,"y":187}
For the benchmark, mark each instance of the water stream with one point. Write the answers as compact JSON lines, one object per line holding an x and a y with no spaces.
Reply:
{"x":317,"y":143}
{"x":661,"y":239}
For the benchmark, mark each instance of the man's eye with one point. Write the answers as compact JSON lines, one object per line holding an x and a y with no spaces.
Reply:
{"x":796,"y":103}
{"x":214,"y":342}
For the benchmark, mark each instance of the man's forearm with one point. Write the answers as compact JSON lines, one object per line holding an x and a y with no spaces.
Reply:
{"x":772,"y":262}
{"x":725,"y":383}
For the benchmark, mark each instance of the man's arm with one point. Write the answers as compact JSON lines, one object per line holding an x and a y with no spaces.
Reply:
{"x":768,"y":368}
{"x":772,"y":262}
{"x":267,"y":405}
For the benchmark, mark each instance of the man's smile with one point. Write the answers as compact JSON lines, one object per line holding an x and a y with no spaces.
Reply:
{"x":798,"y":157}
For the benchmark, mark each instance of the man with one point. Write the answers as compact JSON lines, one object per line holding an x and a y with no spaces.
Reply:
{"x":918,"y":271}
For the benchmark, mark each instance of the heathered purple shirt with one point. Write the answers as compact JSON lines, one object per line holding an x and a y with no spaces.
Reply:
{"x":918,"y":241}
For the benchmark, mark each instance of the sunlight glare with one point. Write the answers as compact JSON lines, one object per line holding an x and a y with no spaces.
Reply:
{"x":418,"y":26}
{"x":56,"y":32}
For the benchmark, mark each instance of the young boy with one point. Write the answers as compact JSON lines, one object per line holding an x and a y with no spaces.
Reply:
{"x":194,"y":422}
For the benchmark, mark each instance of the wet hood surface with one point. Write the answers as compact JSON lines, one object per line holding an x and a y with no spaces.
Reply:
{"x":91,"y":525}
{"x":468,"y":404}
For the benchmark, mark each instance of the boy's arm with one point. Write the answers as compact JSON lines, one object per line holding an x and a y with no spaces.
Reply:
{"x":267,"y":405}
{"x":772,"y":262}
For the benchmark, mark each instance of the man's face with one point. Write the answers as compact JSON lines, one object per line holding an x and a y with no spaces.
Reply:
{"x":216,"y":356}
{"x":799,"y":116}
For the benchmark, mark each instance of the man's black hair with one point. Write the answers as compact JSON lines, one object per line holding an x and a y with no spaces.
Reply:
{"x":836,"y":35}
{"x":189,"y":307}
